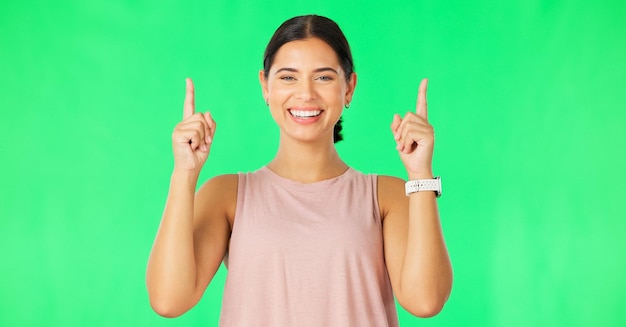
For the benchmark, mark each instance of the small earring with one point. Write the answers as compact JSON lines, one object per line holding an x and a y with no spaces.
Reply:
{"x":267,"y":103}
{"x":347,"y":105}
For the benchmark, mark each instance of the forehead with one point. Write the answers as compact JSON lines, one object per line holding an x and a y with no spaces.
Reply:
{"x":311,"y":52}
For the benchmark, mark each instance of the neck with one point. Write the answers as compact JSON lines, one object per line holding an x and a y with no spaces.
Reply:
{"x":307,"y":162}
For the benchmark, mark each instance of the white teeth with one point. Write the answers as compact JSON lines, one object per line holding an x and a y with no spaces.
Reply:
{"x":305,"y":113}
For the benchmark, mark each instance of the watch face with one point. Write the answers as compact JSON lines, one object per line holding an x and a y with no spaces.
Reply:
{"x":438,"y":186}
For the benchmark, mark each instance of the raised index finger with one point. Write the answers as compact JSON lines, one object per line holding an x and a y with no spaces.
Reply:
{"x":422,"y":106}
{"x":189,"y":107}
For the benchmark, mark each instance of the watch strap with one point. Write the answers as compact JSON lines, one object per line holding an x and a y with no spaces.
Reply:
{"x":420,"y":185}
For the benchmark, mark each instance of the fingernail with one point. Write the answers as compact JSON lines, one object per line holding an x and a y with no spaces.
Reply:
{"x":209,"y":139}
{"x":398,"y":146}
{"x":397,"y":135}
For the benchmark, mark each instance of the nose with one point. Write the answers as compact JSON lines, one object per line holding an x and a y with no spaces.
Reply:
{"x":305,"y":90}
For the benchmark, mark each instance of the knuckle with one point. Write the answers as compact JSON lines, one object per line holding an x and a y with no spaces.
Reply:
{"x":176,"y":131}
{"x":198,"y":124}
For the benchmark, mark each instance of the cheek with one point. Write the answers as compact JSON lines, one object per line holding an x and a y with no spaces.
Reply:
{"x":334,"y":94}
{"x":279,"y":92}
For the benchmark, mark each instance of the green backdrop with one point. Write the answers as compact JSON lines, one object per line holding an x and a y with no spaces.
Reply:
{"x":527,"y":98}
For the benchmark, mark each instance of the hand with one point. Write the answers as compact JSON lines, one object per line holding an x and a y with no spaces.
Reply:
{"x":415,"y":137}
{"x":192,"y":137}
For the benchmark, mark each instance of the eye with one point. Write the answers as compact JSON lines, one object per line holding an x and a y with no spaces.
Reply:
{"x":325,"y":78}
{"x":287,"y":78}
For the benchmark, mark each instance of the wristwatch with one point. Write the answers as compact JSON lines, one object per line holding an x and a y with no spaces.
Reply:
{"x":420,"y":185}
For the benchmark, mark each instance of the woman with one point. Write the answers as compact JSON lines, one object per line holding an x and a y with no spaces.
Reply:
{"x":308,"y":240}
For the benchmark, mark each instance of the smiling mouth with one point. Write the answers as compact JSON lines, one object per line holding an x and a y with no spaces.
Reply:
{"x":305,"y":113}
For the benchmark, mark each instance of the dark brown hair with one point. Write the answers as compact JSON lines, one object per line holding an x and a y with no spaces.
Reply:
{"x":304,"y":27}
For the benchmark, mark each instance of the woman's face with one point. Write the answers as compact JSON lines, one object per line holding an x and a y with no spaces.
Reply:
{"x":306,"y":89}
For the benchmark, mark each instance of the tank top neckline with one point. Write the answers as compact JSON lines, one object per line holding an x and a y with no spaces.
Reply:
{"x":306,"y":187}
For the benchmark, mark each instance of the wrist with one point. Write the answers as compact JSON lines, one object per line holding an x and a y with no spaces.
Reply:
{"x":420,"y":175}
{"x":181,"y":174}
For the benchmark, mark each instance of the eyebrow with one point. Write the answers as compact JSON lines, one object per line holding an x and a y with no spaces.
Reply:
{"x":318,"y":70}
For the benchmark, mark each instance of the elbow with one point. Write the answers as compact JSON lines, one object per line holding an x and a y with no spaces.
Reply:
{"x":165,"y":301}
{"x":425,"y":300}
{"x":423,"y":309}
{"x":166,"y":304}
{"x":165,"y":309}
{"x":423,"y":306}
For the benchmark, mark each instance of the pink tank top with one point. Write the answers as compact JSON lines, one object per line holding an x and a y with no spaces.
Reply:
{"x":307,"y":254}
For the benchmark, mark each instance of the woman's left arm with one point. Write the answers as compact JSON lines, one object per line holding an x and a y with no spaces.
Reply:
{"x":415,"y":250}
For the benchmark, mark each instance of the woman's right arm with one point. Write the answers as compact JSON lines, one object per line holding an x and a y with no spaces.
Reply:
{"x":194,"y":231}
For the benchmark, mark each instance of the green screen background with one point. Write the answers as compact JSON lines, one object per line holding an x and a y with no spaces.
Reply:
{"x":527,"y":99}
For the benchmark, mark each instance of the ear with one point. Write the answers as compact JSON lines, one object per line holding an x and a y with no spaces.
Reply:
{"x":351,"y":87}
{"x":263,"y":82}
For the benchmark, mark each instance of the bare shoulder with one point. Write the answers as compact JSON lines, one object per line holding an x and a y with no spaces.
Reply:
{"x":390,"y":194}
{"x":390,"y":181}
{"x":217,"y":197}
{"x":220,"y":185}
{"x":225,"y":180}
